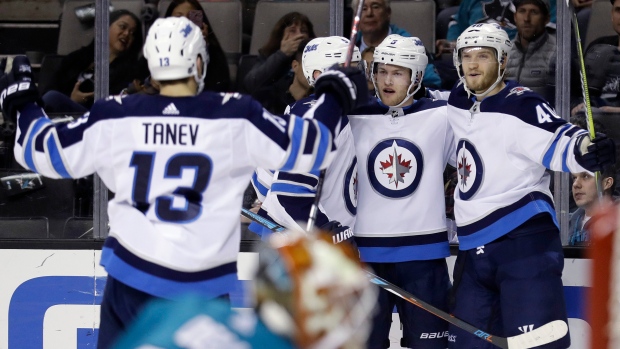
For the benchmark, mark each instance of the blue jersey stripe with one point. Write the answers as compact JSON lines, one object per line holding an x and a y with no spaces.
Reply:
{"x":323,"y":145}
{"x":258,"y":185}
{"x":291,"y":188}
{"x":548,"y":157}
{"x":163,"y":272}
{"x":398,"y":241}
{"x":471,"y":239}
{"x":404,"y":253}
{"x":298,"y":129}
{"x":28,"y":147}
{"x":55,"y":158}
{"x":163,"y":287}
{"x":504,"y":211}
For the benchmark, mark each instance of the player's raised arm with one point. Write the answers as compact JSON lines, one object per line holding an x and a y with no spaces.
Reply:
{"x":304,"y":144}
{"x":42,"y":145}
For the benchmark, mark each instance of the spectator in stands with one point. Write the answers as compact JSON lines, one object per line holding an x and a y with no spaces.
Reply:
{"x":586,"y":198}
{"x":297,"y":89}
{"x":218,"y":78}
{"x":73,"y":87}
{"x":534,"y":51}
{"x":483,"y":11}
{"x":602,"y":60}
{"x":272,"y":76}
{"x":375,"y":26}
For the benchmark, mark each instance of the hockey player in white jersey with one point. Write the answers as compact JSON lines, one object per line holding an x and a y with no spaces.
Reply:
{"x":178,"y":164}
{"x":402,"y":147}
{"x":291,"y":196}
{"x":507,"y":277}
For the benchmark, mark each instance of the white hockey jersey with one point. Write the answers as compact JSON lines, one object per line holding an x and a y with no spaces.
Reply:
{"x":178,"y":167}
{"x":401,"y":156}
{"x":504,"y":144}
{"x":291,"y":195}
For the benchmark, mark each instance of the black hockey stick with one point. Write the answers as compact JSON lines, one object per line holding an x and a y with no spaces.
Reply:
{"x":544,"y":334}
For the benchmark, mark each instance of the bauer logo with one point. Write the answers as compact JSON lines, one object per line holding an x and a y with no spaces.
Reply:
{"x":55,"y":312}
{"x":433,"y":335}
{"x":395,"y":167}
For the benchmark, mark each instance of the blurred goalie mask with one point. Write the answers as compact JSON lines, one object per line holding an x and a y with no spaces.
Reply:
{"x":314,"y":292}
{"x":172,"y":46}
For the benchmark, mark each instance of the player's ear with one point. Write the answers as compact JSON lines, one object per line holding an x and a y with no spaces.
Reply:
{"x":607,"y":182}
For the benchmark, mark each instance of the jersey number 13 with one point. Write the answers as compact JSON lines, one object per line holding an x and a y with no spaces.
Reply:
{"x":144,"y":161}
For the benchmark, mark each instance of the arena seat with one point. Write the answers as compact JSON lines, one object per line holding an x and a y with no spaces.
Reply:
{"x":78,"y":228}
{"x":225,"y":17}
{"x":39,"y":11}
{"x":268,"y":12}
{"x":600,"y":22}
{"x":418,"y":18}
{"x":24,"y":228}
{"x":73,"y":34}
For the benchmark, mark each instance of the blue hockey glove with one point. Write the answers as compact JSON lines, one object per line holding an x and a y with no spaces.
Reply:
{"x":340,"y":233}
{"x":17,"y":88}
{"x":595,"y":155}
{"x":347,"y":84}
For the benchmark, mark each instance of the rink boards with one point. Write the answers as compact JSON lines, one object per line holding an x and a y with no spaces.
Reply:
{"x":50,"y":298}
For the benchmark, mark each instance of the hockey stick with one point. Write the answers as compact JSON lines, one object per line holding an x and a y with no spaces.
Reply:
{"x":586,"y":99}
{"x":544,"y":334}
{"x":319,"y":186}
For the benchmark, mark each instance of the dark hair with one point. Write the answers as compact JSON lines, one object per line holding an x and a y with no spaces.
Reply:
{"x":300,"y":50}
{"x":211,"y":38}
{"x":136,"y":47}
{"x":277,"y":33}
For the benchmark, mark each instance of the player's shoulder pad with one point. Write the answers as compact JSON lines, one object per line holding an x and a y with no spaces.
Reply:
{"x":375,"y":107}
{"x":301,"y":106}
{"x":111,"y":107}
{"x":459,"y":97}
{"x":428,"y":103}
{"x":524,"y":104}
{"x":233,"y":104}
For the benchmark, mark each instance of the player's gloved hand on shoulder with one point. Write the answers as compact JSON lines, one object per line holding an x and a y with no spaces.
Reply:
{"x":340,"y":233}
{"x":595,"y":155}
{"x":348,"y":85}
{"x":17,"y":88}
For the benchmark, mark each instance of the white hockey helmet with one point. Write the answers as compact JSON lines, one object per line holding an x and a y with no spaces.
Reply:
{"x":322,"y":53}
{"x":314,"y":292}
{"x":171,"y":48}
{"x":483,"y":35}
{"x":407,"y":52}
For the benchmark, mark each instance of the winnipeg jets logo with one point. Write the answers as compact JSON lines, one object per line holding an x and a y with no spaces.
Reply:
{"x":519,"y":90}
{"x":464,"y":170}
{"x":470,"y":169}
{"x":395,"y":167}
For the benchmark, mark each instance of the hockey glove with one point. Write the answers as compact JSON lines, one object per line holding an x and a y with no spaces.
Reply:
{"x":595,"y":155}
{"x":340,"y":233}
{"x":17,"y":88}
{"x":347,"y":84}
